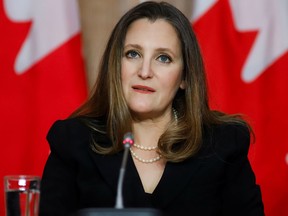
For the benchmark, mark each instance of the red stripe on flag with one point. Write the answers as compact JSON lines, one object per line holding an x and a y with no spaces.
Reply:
{"x":263,"y":101}
{"x":31,"y":102}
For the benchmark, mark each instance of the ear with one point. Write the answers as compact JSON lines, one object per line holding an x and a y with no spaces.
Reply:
{"x":182,"y":85}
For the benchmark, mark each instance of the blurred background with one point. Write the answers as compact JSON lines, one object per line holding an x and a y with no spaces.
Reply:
{"x":50,"y":51}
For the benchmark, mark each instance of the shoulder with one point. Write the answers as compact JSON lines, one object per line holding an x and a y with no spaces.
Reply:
{"x":74,"y":133}
{"x":68,"y":126}
{"x":67,"y":135}
{"x":75,"y":126}
{"x":229,"y":141}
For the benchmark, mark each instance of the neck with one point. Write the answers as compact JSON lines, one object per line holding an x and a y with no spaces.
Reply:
{"x":148,"y":133}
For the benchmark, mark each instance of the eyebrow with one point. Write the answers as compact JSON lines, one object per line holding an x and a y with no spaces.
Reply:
{"x":133,"y":45}
{"x":160,"y":49}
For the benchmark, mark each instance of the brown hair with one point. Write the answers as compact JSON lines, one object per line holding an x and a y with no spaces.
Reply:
{"x":179,"y":141}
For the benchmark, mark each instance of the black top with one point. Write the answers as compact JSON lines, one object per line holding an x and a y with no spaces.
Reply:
{"x":217,"y":181}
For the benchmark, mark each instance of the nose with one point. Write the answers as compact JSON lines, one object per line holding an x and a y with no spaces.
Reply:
{"x":145,"y":71}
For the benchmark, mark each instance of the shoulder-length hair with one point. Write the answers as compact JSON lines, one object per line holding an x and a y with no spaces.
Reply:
{"x":182,"y":139}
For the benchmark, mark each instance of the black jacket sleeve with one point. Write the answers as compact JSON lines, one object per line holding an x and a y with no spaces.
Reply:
{"x":241,"y":195}
{"x":58,"y":187}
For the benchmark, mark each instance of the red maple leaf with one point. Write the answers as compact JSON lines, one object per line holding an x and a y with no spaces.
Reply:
{"x":263,"y":102}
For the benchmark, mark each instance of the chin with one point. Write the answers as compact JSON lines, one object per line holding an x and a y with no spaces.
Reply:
{"x":141,"y":111}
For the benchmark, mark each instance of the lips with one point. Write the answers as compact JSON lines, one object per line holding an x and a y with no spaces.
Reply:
{"x":143,"y":89}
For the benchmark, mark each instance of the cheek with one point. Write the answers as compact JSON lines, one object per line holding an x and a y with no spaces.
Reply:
{"x":173,"y":82}
{"x":124,"y":75}
{"x":128,"y":71}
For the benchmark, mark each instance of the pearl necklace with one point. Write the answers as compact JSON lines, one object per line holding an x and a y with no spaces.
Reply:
{"x":141,"y":147}
{"x":152,"y":160}
{"x":145,"y":148}
{"x":175,"y":114}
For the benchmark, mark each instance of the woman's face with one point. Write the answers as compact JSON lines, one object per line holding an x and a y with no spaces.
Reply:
{"x":152,"y":66}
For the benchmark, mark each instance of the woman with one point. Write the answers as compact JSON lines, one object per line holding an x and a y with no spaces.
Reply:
{"x":187,"y":159}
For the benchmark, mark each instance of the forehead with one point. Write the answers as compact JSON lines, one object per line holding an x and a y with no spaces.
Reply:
{"x":159,"y":31}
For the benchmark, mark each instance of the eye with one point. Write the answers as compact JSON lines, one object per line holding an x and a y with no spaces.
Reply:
{"x":132,"y":54}
{"x":164,"y":58}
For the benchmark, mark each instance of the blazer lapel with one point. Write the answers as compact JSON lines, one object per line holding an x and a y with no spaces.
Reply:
{"x":134,"y":194}
{"x":175,"y":178}
{"x":109,"y":167}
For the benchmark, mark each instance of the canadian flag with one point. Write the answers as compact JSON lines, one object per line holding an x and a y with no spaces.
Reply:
{"x":41,"y":79}
{"x":245,"y":48}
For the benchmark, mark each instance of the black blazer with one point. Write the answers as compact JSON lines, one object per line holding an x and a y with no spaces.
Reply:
{"x":217,"y":181}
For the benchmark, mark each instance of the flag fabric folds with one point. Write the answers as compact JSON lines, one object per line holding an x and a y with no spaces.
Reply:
{"x":42,"y":79}
{"x":245,"y":50}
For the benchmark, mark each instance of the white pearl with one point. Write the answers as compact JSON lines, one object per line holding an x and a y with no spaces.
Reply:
{"x":143,"y":160}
